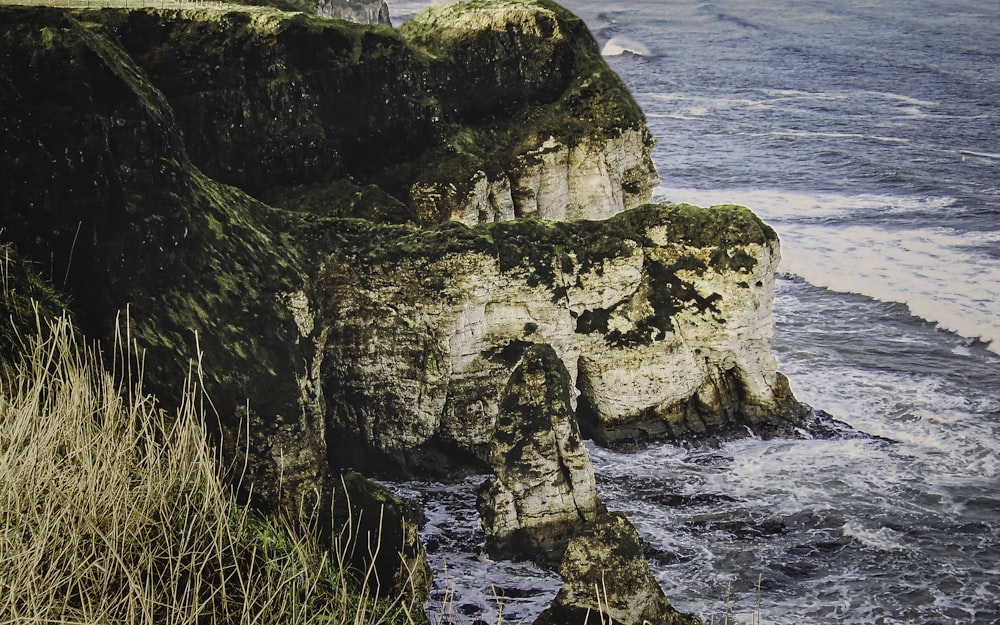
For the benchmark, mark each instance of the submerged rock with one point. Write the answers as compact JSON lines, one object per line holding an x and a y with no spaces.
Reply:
{"x":606,"y":576}
{"x":544,"y":488}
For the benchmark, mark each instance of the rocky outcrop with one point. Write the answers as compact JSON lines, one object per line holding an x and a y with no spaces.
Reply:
{"x":265,"y":195}
{"x":117,"y":182}
{"x":594,"y":179}
{"x":661,"y":316}
{"x":544,"y":488}
{"x":606,"y":578}
{"x":422,"y":124}
{"x":377,"y":534}
{"x":363,"y":11}
{"x":576,"y":162}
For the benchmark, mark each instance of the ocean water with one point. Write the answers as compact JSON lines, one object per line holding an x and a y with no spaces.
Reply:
{"x":868,"y":135}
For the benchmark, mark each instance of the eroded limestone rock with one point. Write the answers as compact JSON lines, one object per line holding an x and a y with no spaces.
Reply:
{"x":661,"y":316}
{"x":321,"y":337}
{"x":362,"y":11}
{"x":118,"y":168}
{"x":605,"y":573}
{"x":544,"y":488}
{"x":593,"y":179}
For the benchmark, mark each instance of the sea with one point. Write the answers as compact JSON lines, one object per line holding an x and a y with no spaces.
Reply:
{"x":868,"y":135}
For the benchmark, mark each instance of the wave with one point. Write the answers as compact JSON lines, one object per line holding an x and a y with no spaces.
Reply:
{"x":782,"y":205}
{"x":932,"y":271}
{"x":839,"y":243}
{"x":988,"y":155}
{"x":830,"y":135}
{"x":882,"y":539}
{"x":619,"y":45}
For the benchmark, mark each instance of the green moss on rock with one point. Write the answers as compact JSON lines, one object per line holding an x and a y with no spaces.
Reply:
{"x":26,"y":301}
{"x":106,"y":194}
{"x":378,"y":532}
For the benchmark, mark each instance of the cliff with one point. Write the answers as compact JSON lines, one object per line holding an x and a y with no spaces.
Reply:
{"x":139,"y":166}
{"x":661,"y":316}
{"x":357,"y":235}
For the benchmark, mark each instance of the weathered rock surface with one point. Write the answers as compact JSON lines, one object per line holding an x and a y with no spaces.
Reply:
{"x":544,"y":488}
{"x":136,"y":174}
{"x":583,"y":155}
{"x":661,"y":316}
{"x":605,"y":574}
{"x":116,"y":169}
{"x":363,"y":11}
{"x":378,"y":533}
{"x":422,"y":124}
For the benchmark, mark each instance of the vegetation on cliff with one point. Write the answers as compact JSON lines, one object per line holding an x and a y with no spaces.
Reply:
{"x":113,"y":510}
{"x":202,"y":172}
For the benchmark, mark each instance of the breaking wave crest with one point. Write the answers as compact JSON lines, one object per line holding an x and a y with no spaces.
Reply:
{"x":617,"y":46}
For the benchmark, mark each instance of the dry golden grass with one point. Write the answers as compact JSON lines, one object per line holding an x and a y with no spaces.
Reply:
{"x":112,"y":511}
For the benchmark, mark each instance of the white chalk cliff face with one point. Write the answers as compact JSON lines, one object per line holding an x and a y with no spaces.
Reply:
{"x":664,"y":334}
{"x":595,"y":178}
{"x":711,"y":370}
{"x":363,"y":11}
{"x":654,"y":324}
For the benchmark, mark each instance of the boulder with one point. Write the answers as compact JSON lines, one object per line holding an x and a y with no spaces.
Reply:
{"x":377,"y":534}
{"x":606,"y":579}
{"x":544,"y":488}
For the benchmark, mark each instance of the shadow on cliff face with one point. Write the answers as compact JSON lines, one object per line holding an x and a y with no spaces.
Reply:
{"x":139,"y":164}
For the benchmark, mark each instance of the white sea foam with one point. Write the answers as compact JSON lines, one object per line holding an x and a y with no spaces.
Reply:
{"x":619,"y":45}
{"x":831,"y":135}
{"x":931,"y":270}
{"x":882,"y":539}
{"x":811,"y":95}
{"x":988,"y":155}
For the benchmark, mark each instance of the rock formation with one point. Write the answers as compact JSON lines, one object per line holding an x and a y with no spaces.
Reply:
{"x":545,"y":489}
{"x":118,"y":178}
{"x":585,"y":155}
{"x":606,"y":576}
{"x":661,"y":316}
{"x":318,"y":215}
{"x":378,"y":534}
{"x":363,"y":11}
